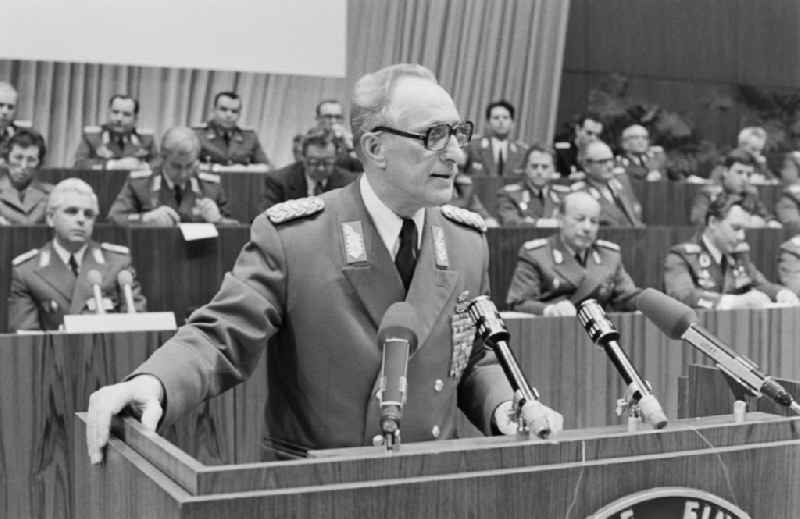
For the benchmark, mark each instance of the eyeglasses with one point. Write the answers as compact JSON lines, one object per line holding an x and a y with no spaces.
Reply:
{"x":436,"y":137}
{"x":319,"y":163}
{"x":335,"y":117}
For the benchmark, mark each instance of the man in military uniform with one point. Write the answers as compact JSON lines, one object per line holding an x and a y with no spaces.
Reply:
{"x":713,"y":269}
{"x":315,"y":280}
{"x":23,"y":198}
{"x":554,"y":275}
{"x":536,"y":200}
{"x":787,"y":208}
{"x":610,"y":187}
{"x":496,"y":154}
{"x":735,"y":173}
{"x":8,"y":108}
{"x":586,"y":129}
{"x":753,"y":140}
{"x":639,"y":160}
{"x":117,"y":144}
{"x":224,"y":145}
{"x":175,"y":191}
{"x":789,"y":264}
{"x":52,"y":281}
{"x":330,"y":117}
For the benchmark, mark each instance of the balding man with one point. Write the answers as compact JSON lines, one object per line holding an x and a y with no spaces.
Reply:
{"x":317,"y":277}
{"x":8,"y":109}
{"x":555,"y":274}
{"x":175,"y":191}
{"x":610,"y":187}
{"x":639,"y":161}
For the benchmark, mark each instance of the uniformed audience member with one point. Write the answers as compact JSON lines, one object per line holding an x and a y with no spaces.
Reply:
{"x":789,"y":264}
{"x":330,"y":116}
{"x":315,"y":280}
{"x":787,"y":208}
{"x":713,"y":269}
{"x":23,"y":198}
{"x":554,"y":275}
{"x":224,"y":145}
{"x":495,"y":154}
{"x":535,"y":200}
{"x":610,"y":186}
{"x":52,"y":281}
{"x":586,"y":129}
{"x":117,"y":144}
{"x":8,"y":109}
{"x":173,"y":192}
{"x":639,"y":160}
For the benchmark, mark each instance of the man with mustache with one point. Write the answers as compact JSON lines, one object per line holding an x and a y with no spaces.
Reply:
{"x":22,"y":197}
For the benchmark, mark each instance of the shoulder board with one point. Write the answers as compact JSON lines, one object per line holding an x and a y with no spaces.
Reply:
{"x":144,"y":131}
{"x":794,"y":189}
{"x":246,"y":130}
{"x":521,"y":144}
{"x":619,"y":170}
{"x":562,"y":145}
{"x":201,"y":126}
{"x":535,"y":244}
{"x":691,"y":248}
{"x":23,"y":123}
{"x":742,"y":247}
{"x":209,"y":177}
{"x":512,"y":187}
{"x":91,"y":129}
{"x":119,"y":249}
{"x":577,"y":186}
{"x":464,"y":217}
{"x":25,"y":256}
{"x":140,"y":173}
{"x":608,"y":245}
{"x":463,"y":180}
{"x":796,"y":240}
{"x":560,"y":188}
{"x":293,"y":209}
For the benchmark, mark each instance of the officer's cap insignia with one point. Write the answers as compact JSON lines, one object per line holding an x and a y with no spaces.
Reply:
{"x":25,"y":256}
{"x":562,"y":145}
{"x":704,"y":260}
{"x":535,"y":244}
{"x":607,"y":245}
{"x":91,"y":129}
{"x":119,"y":249}
{"x":464,"y":217}
{"x":691,"y":248}
{"x":140,"y":173}
{"x":512,"y":187}
{"x":292,"y":209}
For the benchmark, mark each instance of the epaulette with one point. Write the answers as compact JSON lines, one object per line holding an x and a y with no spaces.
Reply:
{"x":25,"y":256}
{"x":144,"y":131}
{"x":464,"y":217}
{"x":562,"y":145}
{"x":742,"y":247}
{"x":691,"y":248}
{"x":796,"y":240}
{"x":577,"y":186}
{"x":23,"y":123}
{"x":561,"y":188}
{"x":512,"y":187}
{"x":91,"y":129}
{"x":201,"y":126}
{"x":209,"y":177}
{"x":292,"y":209}
{"x":463,"y":180}
{"x":140,"y":173}
{"x":119,"y":249}
{"x":608,"y":245}
{"x":535,"y":244}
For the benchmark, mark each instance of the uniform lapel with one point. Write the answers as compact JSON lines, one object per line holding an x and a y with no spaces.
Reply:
{"x":568,"y":268}
{"x":595,"y":275}
{"x":57,"y":275}
{"x":11,"y":197}
{"x":719,"y":277}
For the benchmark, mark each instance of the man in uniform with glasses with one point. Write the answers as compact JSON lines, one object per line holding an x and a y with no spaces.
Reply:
{"x":52,"y":281}
{"x":314,"y":174}
{"x":314,"y":282}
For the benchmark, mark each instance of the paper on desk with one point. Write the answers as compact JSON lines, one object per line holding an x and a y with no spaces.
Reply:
{"x":547,"y":222}
{"x":198,"y":231}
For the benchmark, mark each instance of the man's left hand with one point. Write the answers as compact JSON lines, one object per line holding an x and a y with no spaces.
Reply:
{"x":208,"y":210}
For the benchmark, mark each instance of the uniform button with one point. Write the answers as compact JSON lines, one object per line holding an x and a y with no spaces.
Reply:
{"x":438,"y":385}
{"x":435,"y":431}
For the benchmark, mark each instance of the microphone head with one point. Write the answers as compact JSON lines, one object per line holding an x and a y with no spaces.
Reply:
{"x":400,"y":320}
{"x":94,"y":277}
{"x":124,"y":278}
{"x":671,"y":316}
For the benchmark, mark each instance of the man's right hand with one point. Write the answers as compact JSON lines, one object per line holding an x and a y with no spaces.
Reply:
{"x":142,"y":393}
{"x":562,"y":308}
{"x":162,"y":215}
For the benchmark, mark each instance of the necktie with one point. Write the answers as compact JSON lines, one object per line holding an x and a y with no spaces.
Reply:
{"x":318,"y":188}
{"x":580,"y":259}
{"x":178,"y":195}
{"x":406,"y":258}
{"x":73,"y":265}
{"x":227,"y":137}
{"x":501,"y":162}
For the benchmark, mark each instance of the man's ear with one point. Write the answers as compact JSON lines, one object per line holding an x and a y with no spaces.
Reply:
{"x":373,"y":149}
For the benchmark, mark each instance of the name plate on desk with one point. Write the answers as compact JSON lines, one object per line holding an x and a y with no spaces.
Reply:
{"x":104,"y":323}
{"x":198,"y":231}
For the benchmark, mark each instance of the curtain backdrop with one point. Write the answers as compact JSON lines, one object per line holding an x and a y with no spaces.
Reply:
{"x":480,"y":50}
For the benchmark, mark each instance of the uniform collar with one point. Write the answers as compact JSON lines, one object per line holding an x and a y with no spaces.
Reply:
{"x":64,"y":254}
{"x":386,"y":221}
{"x":715,"y":252}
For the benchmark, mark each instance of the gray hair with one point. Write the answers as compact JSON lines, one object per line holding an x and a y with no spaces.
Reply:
{"x":372,"y":94}
{"x":72,"y":185}
{"x":5,"y":85}
{"x":180,"y":139}
{"x":752,"y":131}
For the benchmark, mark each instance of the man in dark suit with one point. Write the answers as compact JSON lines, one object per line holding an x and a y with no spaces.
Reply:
{"x":52,"y":281}
{"x":313,"y":283}
{"x":496,"y":154}
{"x":587,"y":129}
{"x":23,"y":198}
{"x":315,"y":174}
{"x":330,"y":117}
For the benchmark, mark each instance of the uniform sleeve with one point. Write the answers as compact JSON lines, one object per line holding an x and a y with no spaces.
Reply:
{"x":273,"y":192}
{"x":789,"y":270}
{"x":678,"y":283}
{"x":625,"y":291}
{"x":23,"y":313}
{"x":125,"y":204}
{"x":506,"y":209}
{"x":761,"y":283}
{"x":222,"y":342}
{"x":85,"y":157}
{"x":699,"y":209}
{"x":526,"y":287}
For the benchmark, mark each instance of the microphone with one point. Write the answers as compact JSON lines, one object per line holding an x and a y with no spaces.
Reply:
{"x":125,"y":280}
{"x":602,"y":332}
{"x":95,"y":279}
{"x":678,"y":321}
{"x":493,"y":332}
{"x":397,"y":339}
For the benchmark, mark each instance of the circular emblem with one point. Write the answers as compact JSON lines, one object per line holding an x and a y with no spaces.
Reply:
{"x":669,"y":502}
{"x":705,"y":260}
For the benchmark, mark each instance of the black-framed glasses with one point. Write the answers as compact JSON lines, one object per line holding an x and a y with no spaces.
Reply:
{"x":437,"y":136}
{"x":320,"y":163}
{"x":602,"y":162}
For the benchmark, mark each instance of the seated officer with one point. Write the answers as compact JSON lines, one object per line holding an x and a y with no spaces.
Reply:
{"x":496,"y":154}
{"x":610,"y":187}
{"x":641,"y":162}
{"x":23,"y":199}
{"x":787,"y":208}
{"x":587,"y":129}
{"x":224,"y":145}
{"x":536,"y":200}
{"x":173,"y":192}
{"x":555,"y":274}
{"x":789,"y":264}
{"x":713,"y":269}
{"x":52,"y":281}
{"x":117,"y":144}
{"x":735,"y":173}
{"x":8,"y":108}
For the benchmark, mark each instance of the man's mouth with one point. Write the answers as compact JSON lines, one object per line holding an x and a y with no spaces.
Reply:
{"x":442,"y":175}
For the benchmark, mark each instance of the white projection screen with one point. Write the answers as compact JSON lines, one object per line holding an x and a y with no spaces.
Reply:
{"x":303,"y":37}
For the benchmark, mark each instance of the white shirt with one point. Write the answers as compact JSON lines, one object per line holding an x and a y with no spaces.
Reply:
{"x":311,"y":184}
{"x":64,"y":254}
{"x":498,"y":145}
{"x":386,"y":221}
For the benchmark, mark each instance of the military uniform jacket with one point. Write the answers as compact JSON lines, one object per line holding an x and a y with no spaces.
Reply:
{"x":547,"y":273}
{"x":618,"y":205}
{"x":144,"y":190}
{"x":789,"y":264}
{"x":98,"y":146}
{"x":242,"y":148}
{"x":311,"y":287}
{"x":29,"y":210}
{"x":692,"y":276}
{"x":787,"y":208}
{"x":635,"y":165}
{"x":289,"y":183}
{"x":480,"y":158}
{"x":750,"y":202}
{"x":43,"y":289}
{"x":518,"y":202}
